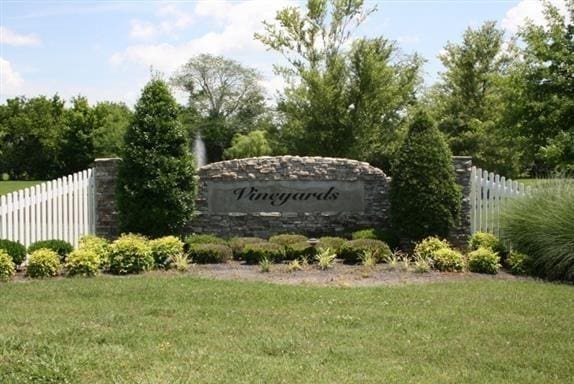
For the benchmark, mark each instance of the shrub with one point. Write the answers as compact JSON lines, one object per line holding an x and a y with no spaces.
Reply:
{"x":238,"y":243}
{"x":43,"y":263}
{"x":156,"y":183}
{"x":448,"y":260}
{"x":484,"y":260}
{"x":325,"y":258}
{"x":61,"y":247}
{"x":210,"y":253}
{"x":426,"y":248}
{"x":99,"y":246}
{"x":425,"y":199}
{"x":14,"y":249}
{"x":83,"y":262}
{"x":287,"y":239}
{"x":130,"y":254}
{"x":300,"y":250}
{"x":541,"y":225}
{"x":7,"y":267}
{"x":519,"y":263}
{"x":486,"y":240}
{"x":334,"y":243}
{"x":377,"y":234}
{"x":203,"y":239}
{"x":352,"y":250}
{"x":165,"y":249}
{"x":254,"y":253}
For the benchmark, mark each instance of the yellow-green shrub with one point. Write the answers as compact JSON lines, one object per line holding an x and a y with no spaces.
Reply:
{"x":426,"y":248}
{"x":165,"y":249}
{"x":484,"y":260}
{"x":486,"y":240}
{"x":332,"y":242}
{"x":99,"y":246}
{"x":7,"y":269}
{"x":83,"y":262}
{"x":448,"y":260}
{"x":43,"y":263}
{"x":130,"y":254}
{"x":287,"y":239}
{"x":519,"y":263}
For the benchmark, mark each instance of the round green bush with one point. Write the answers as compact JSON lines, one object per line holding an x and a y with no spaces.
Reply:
{"x":254,"y":253}
{"x":448,"y":260}
{"x":519,"y":263}
{"x":377,"y":234}
{"x":425,"y":198}
{"x":287,"y":239}
{"x":331,"y":242}
{"x":238,"y":243}
{"x":369,"y":233}
{"x":43,"y":263}
{"x":484,"y":260}
{"x":7,"y":267}
{"x":300,"y":250}
{"x":61,"y":247}
{"x":14,"y":249}
{"x":203,"y":239}
{"x":486,"y":240}
{"x":426,"y":248}
{"x":130,"y":254}
{"x":210,"y":253}
{"x":99,"y":246}
{"x":83,"y":262}
{"x":165,"y":249}
{"x":352,"y":250}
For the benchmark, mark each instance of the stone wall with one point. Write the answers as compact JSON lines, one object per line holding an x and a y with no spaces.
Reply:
{"x":283,"y":168}
{"x":290,"y":168}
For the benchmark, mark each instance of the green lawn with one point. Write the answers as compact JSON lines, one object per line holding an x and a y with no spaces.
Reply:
{"x":11,"y":186}
{"x":180,"y":329}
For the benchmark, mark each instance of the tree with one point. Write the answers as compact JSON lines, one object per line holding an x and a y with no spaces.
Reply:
{"x":540,"y":102}
{"x":77,"y":145}
{"x":468,"y":101}
{"x":112,"y":121}
{"x":156,"y":185}
{"x":251,"y":145}
{"x":224,"y":96}
{"x":425,"y":199}
{"x":339,"y":101}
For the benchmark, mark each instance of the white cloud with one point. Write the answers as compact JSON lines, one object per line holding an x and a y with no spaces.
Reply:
{"x":10,"y":37}
{"x":238,"y":22}
{"x":10,"y":81}
{"x":142,"y":29}
{"x":528,"y":10}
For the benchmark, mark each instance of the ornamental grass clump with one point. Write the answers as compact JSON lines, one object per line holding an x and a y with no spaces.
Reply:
{"x":43,"y":263}
{"x":541,"y":225}
{"x":484,"y":260}
{"x":325,"y":258}
{"x":7,"y":267}
{"x":165,"y":249}
{"x":15,"y":250}
{"x":448,"y":260}
{"x":130,"y":254}
{"x":83,"y":262}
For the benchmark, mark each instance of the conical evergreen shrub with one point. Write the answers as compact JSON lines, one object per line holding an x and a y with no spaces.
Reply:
{"x":156,"y":184}
{"x":425,"y":199}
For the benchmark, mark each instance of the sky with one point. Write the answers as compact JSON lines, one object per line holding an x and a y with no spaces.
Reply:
{"x":104,"y":49}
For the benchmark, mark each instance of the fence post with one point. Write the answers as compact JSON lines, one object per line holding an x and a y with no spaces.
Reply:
{"x":106,"y":213}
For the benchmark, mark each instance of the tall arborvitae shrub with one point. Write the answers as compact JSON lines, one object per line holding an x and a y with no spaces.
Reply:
{"x":425,"y":199}
{"x":156,"y":185}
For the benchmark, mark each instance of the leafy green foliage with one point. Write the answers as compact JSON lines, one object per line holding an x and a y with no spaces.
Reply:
{"x":519,"y":263}
{"x":486,"y":240}
{"x":541,"y":225}
{"x":377,"y":234}
{"x":156,"y":184}
{"x":83,"y":262}
{"x":209,"y":253}
{"x":448,"y":260}
{"x":254,"y":253}
{"x":77,"y":147}
{"x":287,"y":239}
{"x":353,"y":250}
{"x":165,"y":249}
{"x":99,"y":246}
{"x":332,"y":242}
{"x":300,"y":250}
{"x":43,"y":263}
{"x":7,"y":267}
{"x":61,"y":247}
{"x":112,"y":120}
{"x":197,"y":238}
{"x":426,"y":248}
{"x":253,"y":144}
{"x":484,"y":260}
{"x":14,"y":249}
{"x":238,"y":243}
{"x":130,"y":254}
{"x":425,"y":199}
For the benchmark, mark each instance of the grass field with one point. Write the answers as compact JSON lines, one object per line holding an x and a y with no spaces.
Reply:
{"x":11,"y":186}
{"x":178,"y":329}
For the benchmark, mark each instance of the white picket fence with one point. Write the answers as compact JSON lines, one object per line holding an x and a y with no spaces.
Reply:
{"x":488,"y":196}
{"x":62,"y":209}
